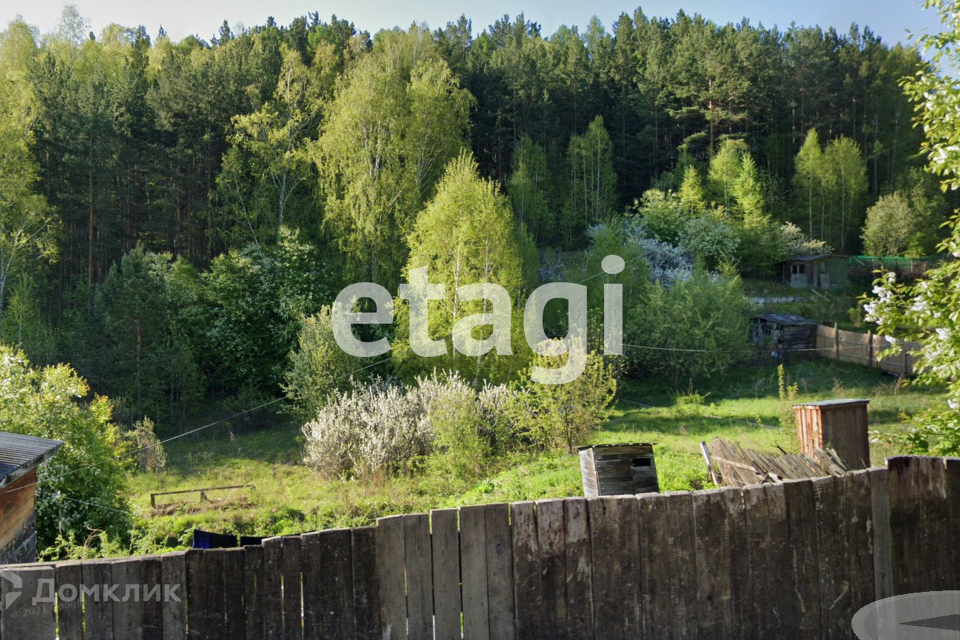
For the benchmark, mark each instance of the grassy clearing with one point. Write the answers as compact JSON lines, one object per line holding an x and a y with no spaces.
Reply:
{"x":744,"y":406}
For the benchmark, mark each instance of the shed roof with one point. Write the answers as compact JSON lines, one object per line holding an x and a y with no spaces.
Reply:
{"x":21,"y":454}
{"x":816,"y":256}
{"x":833,"y":403}
{"x":786,"y":319}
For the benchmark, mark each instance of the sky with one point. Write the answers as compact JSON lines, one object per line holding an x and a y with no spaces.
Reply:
{"x":890,"y":19}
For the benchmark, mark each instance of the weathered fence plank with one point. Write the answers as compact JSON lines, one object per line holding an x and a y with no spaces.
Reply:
{"x":473,"y":556}
{"x":392,"y":578}
{"x":579,"y":563}
{"x":234,"y":580}
{"x":271,"y":589}
{"x":336,"y":584}
{"x":151,"y":579}
{"x":173,"y":573}
{"x":70,"y":612}
{"x":858,"y":513}
{"x":500,"y":572}
{"x":97,"y":610}
{"x":551,"y":543}
{"x":22,"y":614}
{"x":253,"y":585}
{"x":446,"y":573}
{"x":628,"y":514}
{"x":667,"y":565}
{"x":292,"y":592}
{"x":529,"y":590}
{"x":416,"y":549}
{"x":205,"y":594}
{"x":833,"y":559}
{"x":774,"y":607}
{"x":803,"y":553}
{"x":128,"y":611}
{"x":312,"y":576}
{"x":714,"y":548}
{"x":607,"y":584}
{"x":880,"y":500}
{"x":366,"y":584}
{"x":952,"y":472}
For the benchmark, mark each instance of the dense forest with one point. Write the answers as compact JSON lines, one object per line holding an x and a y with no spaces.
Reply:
{"x":170,"y":212}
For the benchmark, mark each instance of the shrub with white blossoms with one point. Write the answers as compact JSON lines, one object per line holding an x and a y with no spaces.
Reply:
{"x":380,"y":428}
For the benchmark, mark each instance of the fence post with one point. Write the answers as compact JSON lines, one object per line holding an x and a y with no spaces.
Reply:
{"x":870,"y":362}
{"x":836,"y":344}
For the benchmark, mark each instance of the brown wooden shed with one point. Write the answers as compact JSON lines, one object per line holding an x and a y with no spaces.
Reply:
{"x":618,"y":469}
{"x":19,"y":458}
{"x":840,"y":425}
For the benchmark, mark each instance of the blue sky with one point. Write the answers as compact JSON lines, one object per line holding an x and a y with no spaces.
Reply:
{"x":891,"y":19}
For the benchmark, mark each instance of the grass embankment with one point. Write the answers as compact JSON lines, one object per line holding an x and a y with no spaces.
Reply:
{"x":289,"y":498}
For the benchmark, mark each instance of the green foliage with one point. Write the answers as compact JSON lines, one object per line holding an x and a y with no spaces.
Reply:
{"x":319,"y":368}
{"x":398,"y":117}
{"x":591,"y":182}
{"x":788,"y":393}
{"x":82,"y":489}
{"x":151,"y":456}
{"x":906,"y":222}
{"x":696,"y":328}
{"x":846,"y":174}
{"x":251,"y":302}
{"x":560,"y":417}
{"x":466,"y":235}
{"x":927,"y":311}
{"x":528,"y":187}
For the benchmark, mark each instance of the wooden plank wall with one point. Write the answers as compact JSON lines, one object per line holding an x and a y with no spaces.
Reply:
{"x":791,"y":560}
{"x":866,"y":349}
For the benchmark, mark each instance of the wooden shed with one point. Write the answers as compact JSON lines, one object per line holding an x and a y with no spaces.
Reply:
{"x":618,"y":469}
{"x":840,"y":425}
{"x":19,"y":458}
{"x":783,"y":332}
{"x":819,"y":271}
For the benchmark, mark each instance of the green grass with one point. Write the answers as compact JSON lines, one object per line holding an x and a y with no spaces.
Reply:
{"x":288,"y":498}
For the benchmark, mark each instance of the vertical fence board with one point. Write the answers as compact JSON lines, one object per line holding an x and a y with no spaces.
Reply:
{"x":952,"y":471}
{"x":419,"y":570}
{"x":858,"y":512}
{"x":292,"y":594}
{"x":500,"y":572}
{"x":336,"y":584}
{"x":607,"y":583}
{"x":253,"y":584}
{"x":880,"y":499}
{"x":529,"y":591}
{"x":628,"y":520}
{"x":393,"y":598}
{"x":803,"y":553}
{"x":271,"y":589}
{"x":20,"y":615}
{"x":173,"y":573}
{"x":551,"y":543}
{"x":714,"y":547}
{"x":366,"y":584}
{"x":97,"y":612}
{"x":775,"y":605}
{"x":205,"y":599}
{"x":234,"y":579}
{"x":128,"y":612}
{"x":473,"y":556}
{"x":579,"y":563}
{"x":70,"y":613}
{"x":446,"y":573}
{"x":151,"y":579}
{"x":312,"y":576}
{"x":833,"y":559}
{"x":668,"y":565}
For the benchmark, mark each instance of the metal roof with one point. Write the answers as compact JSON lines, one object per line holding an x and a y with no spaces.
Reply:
{"x":832,"y":403}
{"x":817,"y":256}
{"x":786,"y":319}
{"x":21,"y":454}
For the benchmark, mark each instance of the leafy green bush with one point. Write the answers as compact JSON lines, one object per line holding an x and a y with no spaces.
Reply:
{"x":81,"y":489}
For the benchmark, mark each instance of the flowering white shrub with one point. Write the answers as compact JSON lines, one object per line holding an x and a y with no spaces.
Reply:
{"x":381,"y":427}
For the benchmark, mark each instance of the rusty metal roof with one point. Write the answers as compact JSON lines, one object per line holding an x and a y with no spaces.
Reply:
{"x":21,"y":454}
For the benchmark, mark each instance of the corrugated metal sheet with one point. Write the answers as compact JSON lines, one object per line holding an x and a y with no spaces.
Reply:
{"x":19,"y":454}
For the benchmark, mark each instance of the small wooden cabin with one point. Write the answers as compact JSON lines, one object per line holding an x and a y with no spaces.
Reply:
{"x":820,"y":271}
{"x":783,"y":332}
{"x":618,"y":469}
{"x":19,"y":458}
{"x":840,"y":425}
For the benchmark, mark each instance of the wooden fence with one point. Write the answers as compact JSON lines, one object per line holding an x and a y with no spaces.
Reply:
{"x":866,"y":349}
{"x":790,"y":560}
